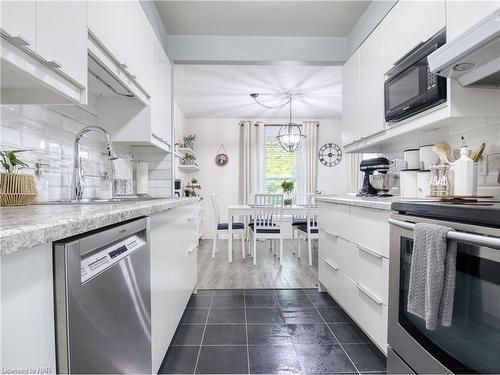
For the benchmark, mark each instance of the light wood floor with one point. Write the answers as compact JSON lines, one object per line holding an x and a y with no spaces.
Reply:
{"x":242,"y":274}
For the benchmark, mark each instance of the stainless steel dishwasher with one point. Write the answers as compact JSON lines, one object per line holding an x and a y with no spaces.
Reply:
{"x":103,"y":301}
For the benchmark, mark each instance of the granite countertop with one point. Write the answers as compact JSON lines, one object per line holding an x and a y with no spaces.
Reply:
{"x":380,"y":203}
{"x":29,"y":226}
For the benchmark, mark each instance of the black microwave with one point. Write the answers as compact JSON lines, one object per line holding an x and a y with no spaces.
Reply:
{"x":410,"y":87}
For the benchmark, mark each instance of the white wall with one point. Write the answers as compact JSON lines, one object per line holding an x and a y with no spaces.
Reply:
{"x":224,"y":181}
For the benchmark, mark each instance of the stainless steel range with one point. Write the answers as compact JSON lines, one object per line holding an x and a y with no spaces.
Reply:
{"x":472,"y":343}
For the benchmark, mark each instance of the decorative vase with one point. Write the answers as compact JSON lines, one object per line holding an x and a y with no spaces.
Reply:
{"x":287,"y":199}
{"x":189,"y":144}
{"x":17,"y":189}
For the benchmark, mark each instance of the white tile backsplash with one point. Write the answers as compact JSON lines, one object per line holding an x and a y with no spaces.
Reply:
{"x":159,"y":169}
{"x":475,"y":132}
{"x":49,"y":131}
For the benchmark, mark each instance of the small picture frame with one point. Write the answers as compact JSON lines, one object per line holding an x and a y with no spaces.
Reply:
{"x":221,"y":160}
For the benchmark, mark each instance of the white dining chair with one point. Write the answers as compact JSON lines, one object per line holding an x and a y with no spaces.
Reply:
{"x":309,"y":230}
{"x":224,"y":227}
{"x":267,"y":221}
{"x":301,"y":200}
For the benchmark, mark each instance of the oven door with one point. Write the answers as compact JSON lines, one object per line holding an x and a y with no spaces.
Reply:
{"x":472,"y":342}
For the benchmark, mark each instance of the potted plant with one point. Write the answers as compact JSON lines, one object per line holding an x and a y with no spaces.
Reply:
{"x":188,"y":159}
{"x":188,"y":141}
{"x":194,"y":181}
{"x":16,"y":189}
{"x":287,"y":186}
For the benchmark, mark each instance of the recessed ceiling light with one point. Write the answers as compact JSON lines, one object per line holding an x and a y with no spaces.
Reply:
{"x":463,"y":67}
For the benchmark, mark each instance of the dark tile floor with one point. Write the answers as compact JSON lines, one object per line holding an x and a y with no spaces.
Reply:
{"x":269,"y":331}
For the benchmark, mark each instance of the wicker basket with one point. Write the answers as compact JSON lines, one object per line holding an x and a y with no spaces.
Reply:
{"x":16,"y":189}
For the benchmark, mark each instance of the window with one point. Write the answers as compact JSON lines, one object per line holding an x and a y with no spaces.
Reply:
{"x":282,"y":165}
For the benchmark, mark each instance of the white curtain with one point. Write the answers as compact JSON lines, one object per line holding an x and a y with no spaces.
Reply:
{"x":253,"y":159}
{"x":310,"y":155}
{"x":353,"y":173}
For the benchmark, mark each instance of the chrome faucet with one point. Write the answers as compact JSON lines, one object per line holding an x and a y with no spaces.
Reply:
{"x":77,"y":167}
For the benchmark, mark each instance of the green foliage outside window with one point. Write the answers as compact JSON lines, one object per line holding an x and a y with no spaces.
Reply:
{"x":280,"y":165}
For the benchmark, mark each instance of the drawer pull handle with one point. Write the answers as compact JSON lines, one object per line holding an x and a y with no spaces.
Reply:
{"x":19,"y":40}
{"x":331,"y":264}
{"x":372,"y":296}
{"x":54,"y":64}
{"x":368,"y":251}
{"x":330,"y":233}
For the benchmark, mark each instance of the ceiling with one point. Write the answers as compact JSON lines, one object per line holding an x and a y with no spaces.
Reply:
{"x":260,"y":18}
{"x":222,"y":91}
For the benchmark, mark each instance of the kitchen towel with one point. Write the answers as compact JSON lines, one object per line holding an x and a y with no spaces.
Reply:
{"x":432,"y":275}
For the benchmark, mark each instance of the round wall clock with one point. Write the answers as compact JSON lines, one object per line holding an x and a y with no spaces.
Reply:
{"x":330,"y":154}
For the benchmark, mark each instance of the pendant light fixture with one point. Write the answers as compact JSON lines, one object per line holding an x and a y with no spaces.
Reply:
{"x":290,"y":135}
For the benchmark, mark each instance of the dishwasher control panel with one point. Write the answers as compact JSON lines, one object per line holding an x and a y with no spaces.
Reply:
{"x":97,"y":262}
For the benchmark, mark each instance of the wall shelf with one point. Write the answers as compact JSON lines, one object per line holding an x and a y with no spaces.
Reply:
{"x":186,"y":151}
{"x":188,"y":168}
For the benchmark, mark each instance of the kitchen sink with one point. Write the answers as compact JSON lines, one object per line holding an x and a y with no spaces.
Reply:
{"x":104,"y":201}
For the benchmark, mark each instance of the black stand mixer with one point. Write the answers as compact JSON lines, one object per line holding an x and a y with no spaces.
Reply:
{"x":369,"y":166}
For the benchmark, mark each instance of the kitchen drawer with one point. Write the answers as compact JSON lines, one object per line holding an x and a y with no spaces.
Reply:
{"x":369,"y":228}
{"x":371,"y":270}
{"x":334,"y":280}
{"x":369,"y":313}
{"x":336,"y":249}
{"x":334,"y":218}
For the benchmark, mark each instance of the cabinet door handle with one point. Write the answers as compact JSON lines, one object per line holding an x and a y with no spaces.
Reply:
{"x":368,"y":251}
{"x":372,"y":296}
{"x":54,"y":64}
{"x":123,"y":66}
{"x":191,"y":249}
{"x":19,"y":40}
{"x":329,"y":233}
{"x":331,"y":264}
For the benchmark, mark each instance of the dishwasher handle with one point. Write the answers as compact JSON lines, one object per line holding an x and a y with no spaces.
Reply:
{"x":107,"y":236}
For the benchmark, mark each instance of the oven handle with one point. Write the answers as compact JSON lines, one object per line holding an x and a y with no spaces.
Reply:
{"x":473,"y":239}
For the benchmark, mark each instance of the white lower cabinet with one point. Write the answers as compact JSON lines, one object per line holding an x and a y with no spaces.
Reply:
{"x":27,"y":310}
{"x":371,"y":271}
{"x":370,"y":314}
{"x":354,"y":266}
{"x":334,"y":280}
{"x":174,"y":239}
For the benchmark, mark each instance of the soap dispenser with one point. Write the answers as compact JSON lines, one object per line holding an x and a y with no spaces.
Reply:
{"x":464,"y":173}
{"x":42,"y":185}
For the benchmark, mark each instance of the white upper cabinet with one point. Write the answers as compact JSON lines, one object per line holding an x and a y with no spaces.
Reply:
{"x":44,"y":52}
{"x":461,"y":15}
{"x":350,"y":99}
{"x":61,"y":36}
{"x":409,"y":23}
{"x":140,"y":42}
{"x":371,"y":86}
{"x":124,"y":30}
{"x":19,"y":20}
{"x":109,"y":22}
{"x":161,"y":99}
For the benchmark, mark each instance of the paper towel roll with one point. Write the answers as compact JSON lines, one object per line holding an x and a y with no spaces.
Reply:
{"x":142,"y":177}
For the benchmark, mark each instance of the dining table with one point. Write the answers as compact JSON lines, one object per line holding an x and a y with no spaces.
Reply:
{"x":247,"y":210}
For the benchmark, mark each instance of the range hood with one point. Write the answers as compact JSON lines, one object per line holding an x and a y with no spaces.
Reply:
{"x":473,"y":58}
